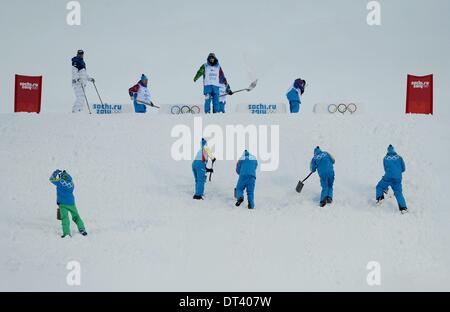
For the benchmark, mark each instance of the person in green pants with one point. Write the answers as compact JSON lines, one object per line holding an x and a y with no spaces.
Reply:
{"x":66,"y":202}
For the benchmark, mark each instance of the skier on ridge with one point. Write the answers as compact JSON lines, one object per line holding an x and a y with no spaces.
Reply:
{"x":199,"y":168}
{"x":394,"y":166}
{"x":294,"y":95}
{"x":213,"y":77}
{"x":139,"y":94}
{"x":323,"y":162}
{"x":79,"y":81}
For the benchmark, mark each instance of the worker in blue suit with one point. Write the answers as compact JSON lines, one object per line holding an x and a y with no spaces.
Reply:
{"x":323,"y":162}
{"x":246,"y":169}
{"x":394,"y":166}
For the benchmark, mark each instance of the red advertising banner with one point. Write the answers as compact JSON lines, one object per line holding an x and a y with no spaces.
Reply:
{"x":419,"y":98}
{"x":27,"y":96}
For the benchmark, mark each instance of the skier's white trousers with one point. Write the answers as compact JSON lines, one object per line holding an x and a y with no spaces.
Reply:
{"x":80,"y":100}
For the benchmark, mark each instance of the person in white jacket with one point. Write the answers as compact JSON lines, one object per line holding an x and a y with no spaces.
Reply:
{"x":79,"y":82}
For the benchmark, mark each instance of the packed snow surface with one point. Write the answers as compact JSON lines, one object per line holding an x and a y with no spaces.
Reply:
{"x":147,"y":234}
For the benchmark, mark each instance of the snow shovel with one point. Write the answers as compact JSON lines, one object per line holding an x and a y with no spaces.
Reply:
{"x":301,"y":184}
{"x":250,"y":88}
{"x":211,"y":171}
{"x":58,"y":214}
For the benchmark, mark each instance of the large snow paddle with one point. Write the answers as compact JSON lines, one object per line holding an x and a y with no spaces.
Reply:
{"x":250,"y":88}
{"x":301,"y":184}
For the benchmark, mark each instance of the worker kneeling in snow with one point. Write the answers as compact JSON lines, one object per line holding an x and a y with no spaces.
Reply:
{"x":246,"y":169}
{"x":66,"y":202}
{"x":323,"y":162}
{"x":394,"y":166}
{"x":199,"y":169}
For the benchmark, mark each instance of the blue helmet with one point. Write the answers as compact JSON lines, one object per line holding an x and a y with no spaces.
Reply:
{"x":317,"y":150}
{"x":391,"y":149}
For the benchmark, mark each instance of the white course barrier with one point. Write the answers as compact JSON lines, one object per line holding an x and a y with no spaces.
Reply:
{"x":340,"y":108}
{"x":180,"y":109}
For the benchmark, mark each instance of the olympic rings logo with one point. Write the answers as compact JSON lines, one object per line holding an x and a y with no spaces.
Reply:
{"x":185,"y":109}
{"x":342,"y":108}
{"x":395,"y":157}
{"x":66,"y":184}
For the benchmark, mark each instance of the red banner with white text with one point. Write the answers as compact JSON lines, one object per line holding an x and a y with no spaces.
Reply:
{"x":27,"y":96}
{"x":419,"y":98}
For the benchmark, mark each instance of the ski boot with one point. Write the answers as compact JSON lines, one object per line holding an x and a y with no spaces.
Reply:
{"x":196,"y":197}
{"x":83,"y":232}
{"x":403,"y":210}
{"x":239,"y":202}
{"x":250,"y":207}
{"x":66,"y":236}
{"x":329,"y":200}
{"x":380,"y":200}
{"x":323,"y":204}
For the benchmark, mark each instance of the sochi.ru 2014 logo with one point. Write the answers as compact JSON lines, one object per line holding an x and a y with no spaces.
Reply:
{"x":420,"y":84}
{"x":262,"y":108}
{"x":29,"y":86}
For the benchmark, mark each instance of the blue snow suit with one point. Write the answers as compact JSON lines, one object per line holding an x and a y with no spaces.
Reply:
{"x":246,"y":169}
{"x":199,"y":168}
{"x":323,"y":162}
{"x":212,"y":93}
{"x":64,"y":188}
{"x":394,"y":166}
{"x":293,"y":95}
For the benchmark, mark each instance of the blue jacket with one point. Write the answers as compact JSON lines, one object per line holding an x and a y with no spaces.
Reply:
{"x":293,"y":95}
{"x":394,"y":165}
{"x":322,"y":162}
{"x":64,"y":189}
{"x":78,"y":63}
{"x":247,"y":165}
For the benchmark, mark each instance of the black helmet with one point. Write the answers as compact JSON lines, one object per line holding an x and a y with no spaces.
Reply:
{"x":80,"y":52}
{"x":212,"y":59}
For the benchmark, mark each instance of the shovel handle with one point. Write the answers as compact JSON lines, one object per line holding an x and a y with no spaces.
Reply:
{"x":309,"y":175}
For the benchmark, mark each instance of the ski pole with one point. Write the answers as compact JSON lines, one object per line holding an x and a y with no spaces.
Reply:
{"x":96,"y":90}
{"x":84,"y":92}
{"x":148,"y":104}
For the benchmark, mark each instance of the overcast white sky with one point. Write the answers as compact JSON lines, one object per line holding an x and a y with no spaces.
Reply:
{"x":327,"y":42}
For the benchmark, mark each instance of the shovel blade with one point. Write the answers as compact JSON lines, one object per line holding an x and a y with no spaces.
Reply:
{"x":299,"y":187}
{"x":252,"y":85}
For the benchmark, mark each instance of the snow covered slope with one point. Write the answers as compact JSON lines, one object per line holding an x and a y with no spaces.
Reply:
{"x":146,"y":233}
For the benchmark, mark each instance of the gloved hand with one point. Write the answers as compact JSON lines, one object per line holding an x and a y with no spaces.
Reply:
{"x":209,"y":170}
{"x":56,"y":173}
{"x":229,"y":92}
{"x":213,"y":161}
{"x":74,"y":81}
{"x":92,"y":80}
